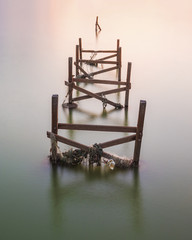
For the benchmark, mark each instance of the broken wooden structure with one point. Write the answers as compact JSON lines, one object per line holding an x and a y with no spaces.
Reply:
{"x":97,"y":26}
{"x":136,"y":136}
{"x":92,"y":61}
{"x":73,"y":84}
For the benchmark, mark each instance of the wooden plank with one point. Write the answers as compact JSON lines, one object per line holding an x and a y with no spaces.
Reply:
{"x":99,"y":51}
{"x":99,"y":81}
{"x":69,"y":142}
{"x":100,"y":93}
{"x":54,"y":128}
{"x":103,"y":70}
{"x":118,"y":141}
{"x":88,"y":127}
{"x":128,"y":85}
{"x":139,"y":133}
{"x":96,"y":96}
{"x":98,"y":61}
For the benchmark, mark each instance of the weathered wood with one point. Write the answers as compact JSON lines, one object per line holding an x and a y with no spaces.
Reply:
{"x":82,"y":70}
{"x":69,"y":142}
{"x":98,"y":61}
{"x":54,"y":128}
{"x":99,"y":51}
{"x":102,"y":71}
{"x":120,"y":162}
{"x":100,"y":93}
{"x":118,"y":44}
{"x":99,"y":81}
{"x":116,"y":105}
{"x":77,"y":59}
{"x":88,"y":127}
{"x":118,"y":141}
{"x":139,"y":133}
{"x":97,"y":25}
{"x":128,"y":85}
{"x":70,"y":78}
{"x":80,"y":48}
{"x":119,"y":63}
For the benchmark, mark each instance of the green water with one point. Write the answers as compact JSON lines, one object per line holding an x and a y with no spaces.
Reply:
{"x":41,"y":202}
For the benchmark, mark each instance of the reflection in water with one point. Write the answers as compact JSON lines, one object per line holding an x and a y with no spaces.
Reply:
{"x":106,"y":189}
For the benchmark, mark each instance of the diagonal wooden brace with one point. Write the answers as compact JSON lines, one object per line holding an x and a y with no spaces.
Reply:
{"x":116,"y":105}
{"x":83,"y":71}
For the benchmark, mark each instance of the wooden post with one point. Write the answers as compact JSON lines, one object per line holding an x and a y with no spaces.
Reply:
{"x":54,"y":128}
{"x":97,"y":25}
{"x":70,"y":103}
{"x":119,"y":63}
{"x":128,"y":84}
{"x":139,"y":132}
{"x":77,"y":59}
{"x":80,"y":49}
{"x":118,"y":51}
{"x":54,"y":114}
{"x":70,"y":78}
{"x":118,"y":44}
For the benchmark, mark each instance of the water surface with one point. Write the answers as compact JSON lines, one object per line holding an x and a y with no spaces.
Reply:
{"x":40,"y":202}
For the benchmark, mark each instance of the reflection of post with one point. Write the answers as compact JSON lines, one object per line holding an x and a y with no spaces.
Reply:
{"x":126,"y":117}
{"x":56,"y":198}
{"x":139,"y":132}
{"x":137,"y":220}
{"x":70,"y":120}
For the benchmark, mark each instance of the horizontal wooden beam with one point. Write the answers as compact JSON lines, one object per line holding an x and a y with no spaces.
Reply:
{"x":100,"y":93}
{"x":118,"y":141}
{"x":100,"y":51}
{"x":97,"y":61}
{"x":89,"y":127}
{"x":111,"y":82}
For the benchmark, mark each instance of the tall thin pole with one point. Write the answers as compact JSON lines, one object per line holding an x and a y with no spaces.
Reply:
{"x":77,"y":59}
{"x":54,"y":114}
{"x":119,"y":63}
{"x":70,"y":78}
{"x":128,"y":84}
{"x":80,"y":49}
{"x":139,"y":132}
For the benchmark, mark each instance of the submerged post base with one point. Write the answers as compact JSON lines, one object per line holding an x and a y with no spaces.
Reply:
{"x":69,"y":105}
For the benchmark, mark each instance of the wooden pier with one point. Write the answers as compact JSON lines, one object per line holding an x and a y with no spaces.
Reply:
{"x":136,"y":130}
{"x":116,"y":53}
{"x":122,"y":86}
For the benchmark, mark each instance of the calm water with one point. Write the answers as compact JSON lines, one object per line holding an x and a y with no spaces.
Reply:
{"x":38,"y":202}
